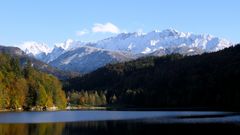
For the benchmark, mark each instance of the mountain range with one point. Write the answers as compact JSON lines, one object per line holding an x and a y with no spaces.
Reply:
{"x":85,"y":57}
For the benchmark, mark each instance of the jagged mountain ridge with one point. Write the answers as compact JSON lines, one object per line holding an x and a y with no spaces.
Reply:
{"x":157,"y":43}
{"x":147,"y":43}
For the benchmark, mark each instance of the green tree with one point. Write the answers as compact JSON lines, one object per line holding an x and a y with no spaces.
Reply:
{"x":42,"y":97}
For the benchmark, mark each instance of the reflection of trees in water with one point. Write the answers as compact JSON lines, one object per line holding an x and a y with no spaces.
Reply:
{"x":89,"y":128}
{"x":14,"y":129}
{"x":32,"y":129}
{"x":48,"y":129}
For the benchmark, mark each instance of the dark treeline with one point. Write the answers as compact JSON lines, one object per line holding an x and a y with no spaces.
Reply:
{"x":207,"y":80}
{"x":25,"y":87}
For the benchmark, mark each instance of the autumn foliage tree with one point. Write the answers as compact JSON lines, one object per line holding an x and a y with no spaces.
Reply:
{"x":25,"y":87}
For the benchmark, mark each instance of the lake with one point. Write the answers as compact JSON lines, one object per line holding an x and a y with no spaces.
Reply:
{"x":118,"y":122}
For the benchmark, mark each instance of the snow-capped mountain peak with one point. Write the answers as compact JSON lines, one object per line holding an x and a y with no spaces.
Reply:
{"x":169,"y":38}
{"x":64,"y":45}
{"x":61,"y":48}
{"x":70,"y":44}
{"x":34,"y":48}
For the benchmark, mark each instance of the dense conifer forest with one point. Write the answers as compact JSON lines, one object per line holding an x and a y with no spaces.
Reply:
{"x":208,"y":80}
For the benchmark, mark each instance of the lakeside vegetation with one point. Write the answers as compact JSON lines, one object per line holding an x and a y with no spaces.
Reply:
{"x":86,"y":99}
{"x":22,"y":87}
{"x":27,"y":88}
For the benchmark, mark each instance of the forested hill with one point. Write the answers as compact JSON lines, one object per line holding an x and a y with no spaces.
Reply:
{"x":39,"y":65}
{"x":207,"y":80}
{"x":23,"y":87}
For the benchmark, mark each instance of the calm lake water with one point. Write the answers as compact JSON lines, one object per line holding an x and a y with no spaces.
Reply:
{"x":118,"y":122}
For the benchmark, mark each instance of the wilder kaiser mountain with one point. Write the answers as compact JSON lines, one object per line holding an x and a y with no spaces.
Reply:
{"x":86,"y":57}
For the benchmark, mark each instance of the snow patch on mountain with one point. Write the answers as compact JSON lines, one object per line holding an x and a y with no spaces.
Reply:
{"x":69,"y":59}
{"x":146,"y":50}
{"x":153,"y":42}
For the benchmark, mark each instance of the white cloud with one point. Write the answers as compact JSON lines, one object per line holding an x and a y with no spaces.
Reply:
{"x":82,"y":32}
{"x":105,"y":28}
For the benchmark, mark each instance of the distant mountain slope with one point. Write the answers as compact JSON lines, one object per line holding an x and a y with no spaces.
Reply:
{"x":86,"y":59}
{"x":15,"y":51}
{"x":24,"y":58}
{"x":184,"y":50}
{"x":207,"y":80}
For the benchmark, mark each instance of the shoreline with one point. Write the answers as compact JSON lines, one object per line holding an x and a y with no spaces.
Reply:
{"x":55,"y":109}
{"x":118,"y":108}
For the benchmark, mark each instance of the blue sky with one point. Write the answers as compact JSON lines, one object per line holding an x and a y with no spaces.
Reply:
{"x":53,"y":21}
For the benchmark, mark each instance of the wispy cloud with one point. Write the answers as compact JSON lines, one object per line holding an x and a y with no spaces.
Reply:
{"x":82,"y":32}
{"x":105,"y":28}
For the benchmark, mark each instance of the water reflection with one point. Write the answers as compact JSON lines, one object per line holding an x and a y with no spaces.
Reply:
{"x":113,"y":128}
{"x":32,"y":129}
